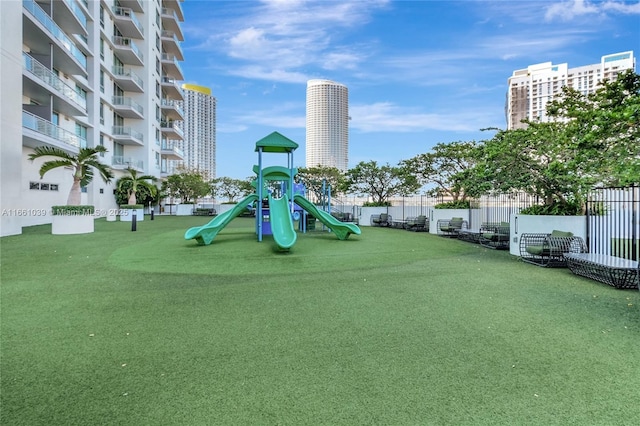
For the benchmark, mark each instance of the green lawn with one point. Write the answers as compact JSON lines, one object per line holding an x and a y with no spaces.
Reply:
{"x":387,"y":328}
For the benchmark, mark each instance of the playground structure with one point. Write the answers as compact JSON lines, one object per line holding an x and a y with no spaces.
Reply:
{"x":281,"y":210}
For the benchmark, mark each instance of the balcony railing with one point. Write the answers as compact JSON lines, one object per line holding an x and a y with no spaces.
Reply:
{"x":166,"y":57}
{"x":171,"y":146}
{"x":127,"y":102}
{"x":49,"y":78}
{"x":128,"y":13}
{"x":77,"y":12}
{"x":172,"y":104}
{"x":120,"y":71}
{"x":48,"y":23}
{"x":127,"y":42}
{"x":47,"y":128}
{"x":128,"y":132}
{"x":122,"y":161}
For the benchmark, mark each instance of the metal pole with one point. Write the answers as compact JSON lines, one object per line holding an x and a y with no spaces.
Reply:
{"x":134,"y":220}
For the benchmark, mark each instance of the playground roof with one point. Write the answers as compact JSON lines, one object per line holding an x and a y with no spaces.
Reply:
{"x":276,"y":142}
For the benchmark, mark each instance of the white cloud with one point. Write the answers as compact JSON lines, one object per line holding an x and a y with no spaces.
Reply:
{"x":570,"y":10}
{"x":388,"y":117}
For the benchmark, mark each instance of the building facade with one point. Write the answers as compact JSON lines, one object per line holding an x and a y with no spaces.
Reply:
{"x":82,"y":73}
{"x":530,"y":89}
{"x":199,"y":126}
{"x":327,"y":133}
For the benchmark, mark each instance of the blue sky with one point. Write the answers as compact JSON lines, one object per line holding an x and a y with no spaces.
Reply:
{"x":418,"y":72}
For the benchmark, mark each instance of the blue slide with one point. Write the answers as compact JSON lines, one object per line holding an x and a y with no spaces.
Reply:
{"x":205,"y":234}
{"x":341,"y":229}
{"x":282,"y":228}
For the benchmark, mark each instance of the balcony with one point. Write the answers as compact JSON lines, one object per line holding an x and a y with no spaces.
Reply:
{"x":136,"y":5}
{"x":171,"y":44}
{"x":127,"y":79}
{"x":170,"y":151}
{"x":172,"y":88}
{"x":127,"y":51}
{"x":127,"y":136}
{"x":171,"y":22}
{"x":176,"y":6}
{"x":127,"y":107}
{"x":38,"y":132}
{"x":44,"y":36}
{"x":125,"y":20}
{"x":43,"y":86}
{"x":171,"y":130}
{"x":70,"y":16}
{"x":120,"y":162}
{"x":171,"y":110}
{"x":171,"y":66}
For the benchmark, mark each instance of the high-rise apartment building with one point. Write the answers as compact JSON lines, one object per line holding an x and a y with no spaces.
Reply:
{"x":530,"y":89}
{"x":327,"y":136}
{"x":199,"y":127}
{"x":80,"y":73}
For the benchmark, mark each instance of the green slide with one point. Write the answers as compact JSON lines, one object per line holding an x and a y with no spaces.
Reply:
{"x":206,"y":233}
{"x":281,"y":222}
{"x":341,"y":229}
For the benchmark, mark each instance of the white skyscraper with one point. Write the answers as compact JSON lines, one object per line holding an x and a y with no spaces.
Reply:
{"x":80,"y":74}
{"x":327,"y":138}
{"x":199,"y":126}
{"x":531,"y":88}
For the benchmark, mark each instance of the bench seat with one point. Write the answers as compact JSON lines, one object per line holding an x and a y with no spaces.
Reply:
{"x":615,"y":271}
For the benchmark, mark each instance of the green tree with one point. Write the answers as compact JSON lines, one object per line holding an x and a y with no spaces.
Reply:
{"x":604,"y":128}
{"x":132,"y":183}
{"x":231,"y":188}
{"x":448,"y":166}
{"x":379,"y":182}
{"x":82,"y":165}
{"x":313,"y":179}
{"x":188,"y":185}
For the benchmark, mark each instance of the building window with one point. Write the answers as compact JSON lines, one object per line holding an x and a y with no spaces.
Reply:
{"x":101,"y":114}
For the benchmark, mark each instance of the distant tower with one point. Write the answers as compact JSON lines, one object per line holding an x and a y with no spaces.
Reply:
{"x":199,"y":129}
{"x":531,"y":88}
{"x":327,"y":141}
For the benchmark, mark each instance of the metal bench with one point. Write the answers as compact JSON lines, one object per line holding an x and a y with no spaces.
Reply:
{"x":451,"y":227}
{"x":382,"y":219}
{"x":495,"y":235}
{"x":417,"y":224}
{"x":614,"y":271}
{"x":548,"y":250}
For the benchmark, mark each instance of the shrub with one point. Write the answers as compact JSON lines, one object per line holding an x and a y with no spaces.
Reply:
{"x":132,"y":206}
{"x":460,"y":204}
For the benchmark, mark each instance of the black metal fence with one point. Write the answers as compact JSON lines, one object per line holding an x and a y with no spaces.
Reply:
{"x":499,"y":207}
{"x":613,"y":222}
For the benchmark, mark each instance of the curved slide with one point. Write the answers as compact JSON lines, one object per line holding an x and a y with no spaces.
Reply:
{"x":281,"y":222}
{"x":341,"y":229}
{"x":205,"y":234}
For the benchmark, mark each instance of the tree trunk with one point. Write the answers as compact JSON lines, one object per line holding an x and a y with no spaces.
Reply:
{"x":75,"y":194}
{"x":132,"y":198}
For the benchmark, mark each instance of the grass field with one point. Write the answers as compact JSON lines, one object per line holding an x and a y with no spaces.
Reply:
{"x":387,"y":328}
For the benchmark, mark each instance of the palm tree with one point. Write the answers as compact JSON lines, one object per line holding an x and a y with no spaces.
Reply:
{"x":130,"y":184}
{"x":82,"y":164}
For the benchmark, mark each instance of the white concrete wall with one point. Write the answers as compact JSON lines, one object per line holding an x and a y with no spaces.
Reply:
{"x":544,"y":224}
{"x":10,"y":116}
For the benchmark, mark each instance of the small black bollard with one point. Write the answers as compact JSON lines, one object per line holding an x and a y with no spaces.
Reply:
{"x":152,"y":210}
{"x":134,"y":220}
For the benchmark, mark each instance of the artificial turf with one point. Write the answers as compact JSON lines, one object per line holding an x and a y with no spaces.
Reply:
{"x":389,"y":327}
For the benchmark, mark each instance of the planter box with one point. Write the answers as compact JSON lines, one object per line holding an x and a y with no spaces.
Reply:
{"x":72,"y":224}
{"x":126,"y":215}
{"x":544,"y":224}
{"x":367,"y":212}
{"x":437,"y":214}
